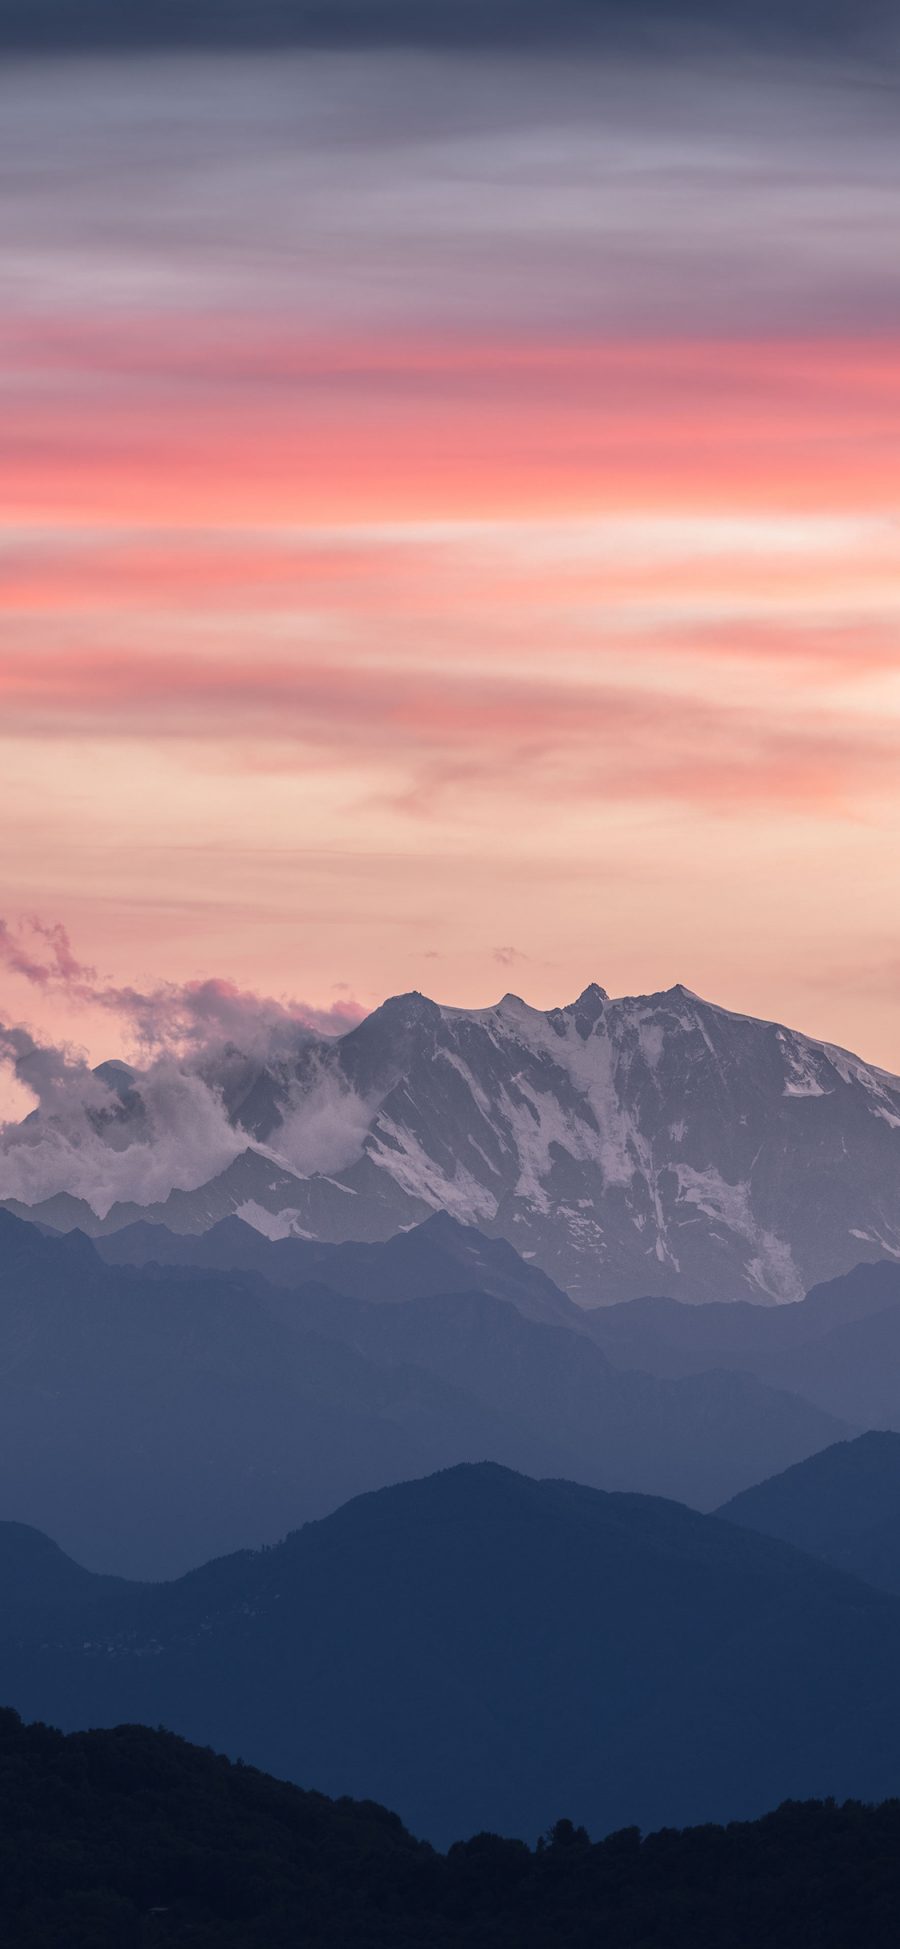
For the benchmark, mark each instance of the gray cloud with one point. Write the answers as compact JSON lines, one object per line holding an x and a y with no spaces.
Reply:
{"x":55,"y":1077}
{"x":463,"y":196}
{"x":78,"y":1138}
{"x":172,"y":1129}
{"x":833,"y":25}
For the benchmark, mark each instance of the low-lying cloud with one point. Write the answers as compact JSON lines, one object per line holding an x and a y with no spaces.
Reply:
{"x":81,"y":1139}
{"x":136,"y":1134}
{"x":324,"y":1125}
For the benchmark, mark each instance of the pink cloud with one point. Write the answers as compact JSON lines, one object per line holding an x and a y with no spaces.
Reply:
{"x":170,"y":1014}
{"x":229,"y":419}
{"x":442,"y":733}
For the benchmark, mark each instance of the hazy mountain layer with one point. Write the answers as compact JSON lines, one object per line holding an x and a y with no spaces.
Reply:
{"x":840,"y":1348}
{"x":842,"y":1505}
{"x":438,"y":1256}
{"x":151,"y":1418}
{"x":478,"y":1650}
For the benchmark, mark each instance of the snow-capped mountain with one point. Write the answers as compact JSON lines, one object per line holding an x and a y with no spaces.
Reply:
{"x":648,"y":1144}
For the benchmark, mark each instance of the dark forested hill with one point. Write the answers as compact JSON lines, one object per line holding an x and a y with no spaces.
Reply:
{"x":120,"y":1839}
{"x":482,"y":1650}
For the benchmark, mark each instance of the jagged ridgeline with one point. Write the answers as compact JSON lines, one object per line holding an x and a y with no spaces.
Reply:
{"x":655,"y":1144}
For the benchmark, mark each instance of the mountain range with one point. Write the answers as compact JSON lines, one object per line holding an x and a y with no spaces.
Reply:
{"x":477,"y":1650}
{"x":439,"y":1256}
{"x":646,"y":1145}
{"x":839,"y":1347}
{"x":153,"y":1416}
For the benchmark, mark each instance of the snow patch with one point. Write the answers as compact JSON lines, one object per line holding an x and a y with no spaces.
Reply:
{"x":883,"y":1088}
{"x":801,"y":1070}
{"x":875,"y":1238}
{"x":462,"y":1069}
{"x":408,"y":1163}
{"x":772,"y":1267}
{"x":272,"y":1224}
{"x":653,"y":1040}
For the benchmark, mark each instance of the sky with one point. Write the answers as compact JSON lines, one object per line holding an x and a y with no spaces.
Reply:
{"x":449,"y":509}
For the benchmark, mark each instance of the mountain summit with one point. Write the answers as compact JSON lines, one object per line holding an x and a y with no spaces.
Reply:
{"x":650,"y":1144}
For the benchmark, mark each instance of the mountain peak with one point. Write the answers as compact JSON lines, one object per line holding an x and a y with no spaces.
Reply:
{"x":651,"y":1143}
{"x":592,"y":993}
{"x":405,"y":1011}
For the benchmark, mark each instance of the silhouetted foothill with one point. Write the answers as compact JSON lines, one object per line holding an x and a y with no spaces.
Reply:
{"x":113,"y":1840}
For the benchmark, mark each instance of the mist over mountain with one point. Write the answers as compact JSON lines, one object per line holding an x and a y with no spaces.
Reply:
{"x":647,"y":1145}
{"x":478,"y":1649}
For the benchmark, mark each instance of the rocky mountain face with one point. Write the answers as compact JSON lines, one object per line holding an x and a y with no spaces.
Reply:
{"x":639,"y":1146}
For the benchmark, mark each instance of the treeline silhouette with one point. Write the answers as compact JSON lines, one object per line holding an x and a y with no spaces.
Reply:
{"x":120,"y":1839}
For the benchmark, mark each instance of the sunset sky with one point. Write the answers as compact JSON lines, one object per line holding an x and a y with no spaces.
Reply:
{"x":449,"y":527}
